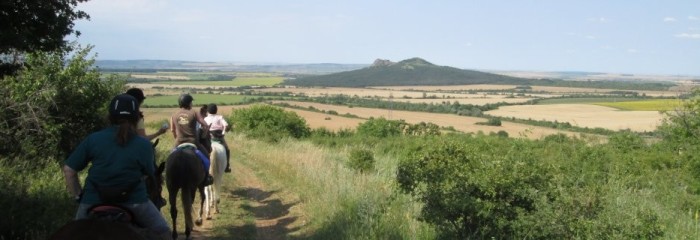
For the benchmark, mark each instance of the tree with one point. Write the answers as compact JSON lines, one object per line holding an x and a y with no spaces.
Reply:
{"x":34,"y":25}
{"x":683,"y":124}
{"x":52,"y":103}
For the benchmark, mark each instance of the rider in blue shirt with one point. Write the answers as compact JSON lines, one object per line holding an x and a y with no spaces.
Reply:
{"x":118,"y":159}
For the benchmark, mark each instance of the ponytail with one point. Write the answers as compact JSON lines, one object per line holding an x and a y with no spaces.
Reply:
{"x":126,"y":130}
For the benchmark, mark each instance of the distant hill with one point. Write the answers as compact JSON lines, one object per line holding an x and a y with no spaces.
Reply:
{"x":414,"y":71}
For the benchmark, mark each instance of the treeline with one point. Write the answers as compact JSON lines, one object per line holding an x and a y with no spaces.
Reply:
{"x":621,"y":85}
{"x":132,"y":79}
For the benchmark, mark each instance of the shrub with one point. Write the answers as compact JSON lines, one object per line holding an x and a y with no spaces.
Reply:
{"x":381,"y":127}
{"x":361,"y":160}
{"x":626,"y":141}
{"x":468,"y":192}
{"x":491,"y":122}
{"x":269,"y":123}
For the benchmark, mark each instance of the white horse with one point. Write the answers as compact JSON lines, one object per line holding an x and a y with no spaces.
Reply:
{"x":218,"y":165}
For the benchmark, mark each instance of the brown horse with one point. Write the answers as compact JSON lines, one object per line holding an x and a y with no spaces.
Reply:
{"x":184,"y":171}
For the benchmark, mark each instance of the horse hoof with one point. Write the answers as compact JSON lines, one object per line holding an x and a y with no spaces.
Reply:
{"x":209,"y":218}
{"x":198,"y":222}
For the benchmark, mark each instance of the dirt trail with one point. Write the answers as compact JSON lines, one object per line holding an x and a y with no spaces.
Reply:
{"x":249,"y":210}
{"x":272,"y":215}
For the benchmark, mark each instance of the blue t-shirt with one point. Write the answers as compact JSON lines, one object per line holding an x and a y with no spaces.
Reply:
{"x":113,"y":165}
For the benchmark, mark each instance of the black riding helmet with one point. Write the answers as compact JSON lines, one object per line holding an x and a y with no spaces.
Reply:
{"x":212,"y":108}
{"x":124,"y":106}
{"x":185,"y":100}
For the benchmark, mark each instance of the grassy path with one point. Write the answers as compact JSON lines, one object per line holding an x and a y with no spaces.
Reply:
{"x":250,"y":209}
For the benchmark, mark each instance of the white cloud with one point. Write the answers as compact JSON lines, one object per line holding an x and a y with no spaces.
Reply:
{"x":632,"y":50}
{"x":688,"y":35}
{"x":598,"y":19}
{"x":670,"y":19}
{"x":590,"y":37}
{"x":693,"y":18}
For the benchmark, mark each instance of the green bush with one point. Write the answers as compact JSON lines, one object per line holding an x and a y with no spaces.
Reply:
{"x":626,"y":141}
{"x":361,"y":160}
{"x":475,"y":190}
{"x":52,"y":104}
{"x":269,"y":123}
{"x":381,"y":128}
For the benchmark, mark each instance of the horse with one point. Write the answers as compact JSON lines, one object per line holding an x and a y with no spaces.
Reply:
{"x":111,"y":221}
{"x":218,"y":165}
{"x":184,"y":171}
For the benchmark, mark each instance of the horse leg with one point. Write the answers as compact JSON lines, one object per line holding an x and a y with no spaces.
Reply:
{"x":203,"y":198}
{"x":172,"y":196}
{"x":212,"y":198}
{"x":186,"y":197}
{"x":208,"y":202}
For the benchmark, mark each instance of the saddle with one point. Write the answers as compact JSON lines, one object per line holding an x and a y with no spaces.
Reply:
{"x":111,"y":212}
{"x":190,"y":146}
{"x":208,"y":180}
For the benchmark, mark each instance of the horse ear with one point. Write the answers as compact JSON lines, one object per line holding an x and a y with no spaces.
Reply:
{"x":154,"y":144}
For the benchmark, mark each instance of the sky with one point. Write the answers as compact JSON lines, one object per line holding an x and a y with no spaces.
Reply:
{"x":613,"y":36}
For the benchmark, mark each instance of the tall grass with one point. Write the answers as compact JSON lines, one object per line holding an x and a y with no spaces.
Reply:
{"x":338,"y":202}
{"x":34,"y":201}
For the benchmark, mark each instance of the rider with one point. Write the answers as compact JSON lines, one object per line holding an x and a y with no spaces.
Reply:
{"x":141,"y":126}
{"x":141,"y":130}
{"x":119,"y":160}
{"x":217,"y":128}
{"x":184,"y":127}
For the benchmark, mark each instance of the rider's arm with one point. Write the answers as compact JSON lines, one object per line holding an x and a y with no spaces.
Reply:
{"x":72,"y":181}
{"x":201,"y":121}
{"x":172,"y":127}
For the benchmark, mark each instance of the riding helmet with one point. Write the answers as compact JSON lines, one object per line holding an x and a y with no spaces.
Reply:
{"x":185,"y":100}
{"x":124,"y":106}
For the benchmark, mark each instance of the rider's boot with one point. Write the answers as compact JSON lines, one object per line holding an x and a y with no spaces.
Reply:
{"x":208,"y":179}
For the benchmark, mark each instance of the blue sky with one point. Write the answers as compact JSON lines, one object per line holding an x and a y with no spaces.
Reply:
{"x":621,"y":36}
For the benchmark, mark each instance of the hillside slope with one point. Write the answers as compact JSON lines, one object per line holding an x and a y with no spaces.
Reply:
{"x":414,"y":71}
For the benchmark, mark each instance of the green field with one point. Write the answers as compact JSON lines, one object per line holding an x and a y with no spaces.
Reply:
{"x":644,"y":105}
{"x":237,"y":82}
{"x":259,"y":81}
{"x":199,"y":99}
{"x":621,"y":103}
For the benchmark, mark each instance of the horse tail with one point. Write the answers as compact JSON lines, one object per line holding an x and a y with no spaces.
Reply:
{"x":187,"y":197}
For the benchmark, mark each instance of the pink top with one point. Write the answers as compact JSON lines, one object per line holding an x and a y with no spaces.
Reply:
{"x":216,"y":122}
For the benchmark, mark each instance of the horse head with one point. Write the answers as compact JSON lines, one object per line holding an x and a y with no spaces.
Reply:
{"x":154,"y":185}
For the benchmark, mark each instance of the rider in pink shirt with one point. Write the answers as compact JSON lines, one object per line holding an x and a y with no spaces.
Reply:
{"x":217,"y":129}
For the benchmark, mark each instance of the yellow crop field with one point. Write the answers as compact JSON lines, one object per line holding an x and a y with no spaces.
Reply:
{"x":645,"y":105}
{"x":584,"y":115}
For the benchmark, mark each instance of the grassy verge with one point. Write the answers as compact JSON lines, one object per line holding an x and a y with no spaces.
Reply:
{"x":336,"y":201}
{"x":35,"y":203}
